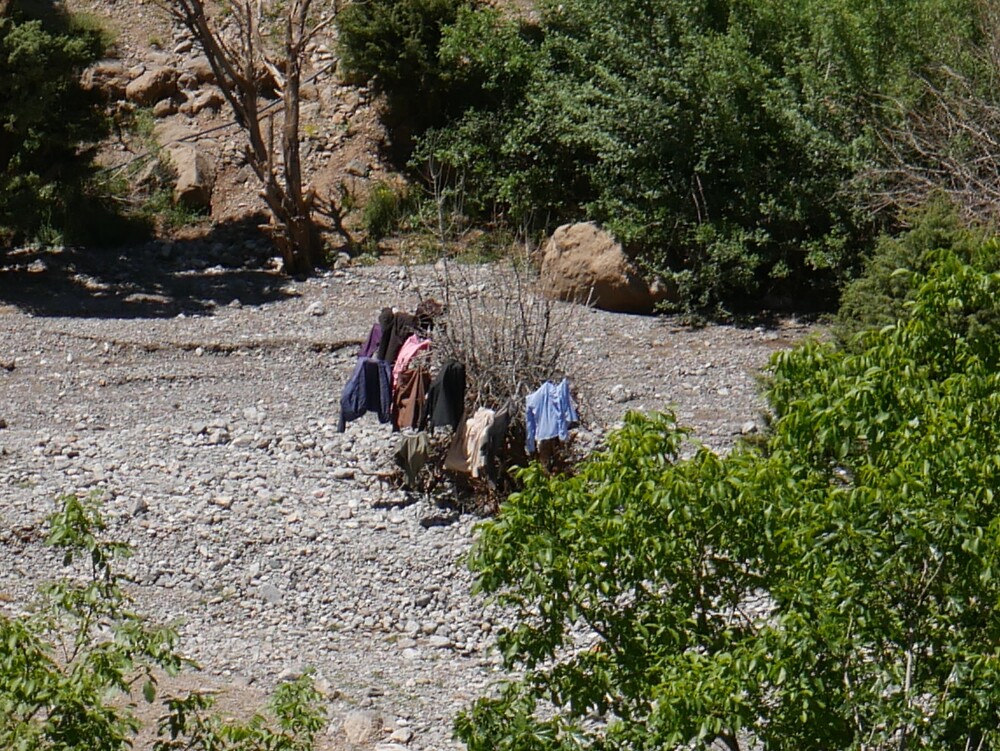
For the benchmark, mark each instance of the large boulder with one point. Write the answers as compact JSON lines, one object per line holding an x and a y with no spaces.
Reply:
{"x":107,"y":77}
{"x":583,"y":263}
{"x":152,"y":86}
{"x":194,"y":167}
{"x":195,"y":176}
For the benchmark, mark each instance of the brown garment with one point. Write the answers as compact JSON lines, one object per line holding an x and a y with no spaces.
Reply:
{"x":410,"y":397}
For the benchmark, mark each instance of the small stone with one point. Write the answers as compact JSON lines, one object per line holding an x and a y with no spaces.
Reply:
{"x":316,"y":309}
{"x":223,"y":501}
{"x":401,"y":735}
{"x":621,"y":394}
{"x":748,"y":428}
{"x":343,"y":473}
{"x":271,"y":594}
{"x":361,"y":727}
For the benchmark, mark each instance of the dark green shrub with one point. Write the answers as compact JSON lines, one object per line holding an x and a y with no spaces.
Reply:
{"x":45,"y":120}
{"x":878,"y":297}
{"x":718,"y":140}
{"x":385,"y":208}
{"x":393,"y":44}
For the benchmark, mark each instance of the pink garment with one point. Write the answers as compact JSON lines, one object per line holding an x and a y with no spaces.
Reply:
{"x":412,"y":347}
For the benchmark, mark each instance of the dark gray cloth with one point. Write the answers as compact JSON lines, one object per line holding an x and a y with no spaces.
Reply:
{"x":496,"y":438}
{"x":446,"y":396}
{"x":396,"y":329}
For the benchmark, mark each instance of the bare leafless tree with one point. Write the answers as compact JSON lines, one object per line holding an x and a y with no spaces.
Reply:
{"x":243,"y":66}
{"x":948,"y":142}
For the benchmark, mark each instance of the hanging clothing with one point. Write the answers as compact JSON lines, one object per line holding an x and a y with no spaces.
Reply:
{"x":411,"y":456}
{"x":370,"y":347}
{"x":368,"y":389}
{"x":446,"y":397}
{"x":550,"y":413}
{"x":409,"y":398}
{"x":466,"y":453}
{"x":496,"y":437}
{"x":412,"y":347}
{"x":385,"y":319}
{"x":396,"y":329}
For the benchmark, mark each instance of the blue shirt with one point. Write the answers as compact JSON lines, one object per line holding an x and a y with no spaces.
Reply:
{"x":550,"y":413}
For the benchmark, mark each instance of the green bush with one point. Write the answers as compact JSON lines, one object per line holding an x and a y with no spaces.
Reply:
{"x":66,"y":664}
{"x":835,"y":588}
{"x":393,"y":44}
{"x":46,"y":121}
{"x":386,"y":207}
{"x":720,"y":141}
{"x":878,"y":297}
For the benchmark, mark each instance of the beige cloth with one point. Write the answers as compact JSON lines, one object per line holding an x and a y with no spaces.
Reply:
{"x":466,"y":453}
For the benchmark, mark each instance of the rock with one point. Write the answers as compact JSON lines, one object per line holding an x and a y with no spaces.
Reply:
{"x":316,"y":309}
{"x":621,"y":394}
{"x":583,"y":263}
{"x":200,"y":69}
{"x":164,"y":108}
{"x":358,"y":168}
{"x":152,"y":86}
{"x":195,"y":176}
{"x":401,"y":735}
{"x":271,"y":594}
{"x":108,"y":77}
{"x":206,"y":100}
{"x":361,"y":727}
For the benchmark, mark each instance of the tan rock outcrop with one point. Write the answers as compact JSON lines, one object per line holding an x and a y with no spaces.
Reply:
{"x":583,"y":263}
{"x":152,"y":86}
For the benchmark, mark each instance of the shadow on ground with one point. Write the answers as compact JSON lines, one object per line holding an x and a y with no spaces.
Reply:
{"x":158,"y":279}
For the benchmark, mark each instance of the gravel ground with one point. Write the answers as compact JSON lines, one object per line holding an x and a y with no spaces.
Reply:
{"x":202,"y":403}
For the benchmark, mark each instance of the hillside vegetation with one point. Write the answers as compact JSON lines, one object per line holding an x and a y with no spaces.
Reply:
{"x":732,"y":146}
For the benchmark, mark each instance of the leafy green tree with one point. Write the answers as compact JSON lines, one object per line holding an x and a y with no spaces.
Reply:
{"x":720,"y":140}
{"x":833,"y":588}
{"x":63,"y":664}
{"x":878,"y":297}
{"x":46,"y":118}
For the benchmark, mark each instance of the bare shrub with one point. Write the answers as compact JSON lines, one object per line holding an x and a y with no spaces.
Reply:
{"x":510,"y":338}
{"x":948,"y":143}
{"x":498,"y":324}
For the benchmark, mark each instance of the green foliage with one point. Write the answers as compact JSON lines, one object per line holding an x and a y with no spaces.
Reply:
{"x":385,"y":209}
{"x":65,"y":666}
{"x":718,"y":139}
{"x":60,"y":666}
{"x":296,"y":706}
{"x":393,"y":44}
{"x":878,"y":297}
{"x":45,"y":117}
{"x":836,"y":588}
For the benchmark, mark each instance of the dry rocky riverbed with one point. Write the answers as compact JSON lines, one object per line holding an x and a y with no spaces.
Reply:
{"x":201,"y":401}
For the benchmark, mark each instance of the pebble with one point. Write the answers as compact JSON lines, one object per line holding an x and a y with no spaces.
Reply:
{"x":261,"y":529}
